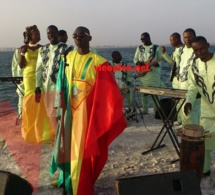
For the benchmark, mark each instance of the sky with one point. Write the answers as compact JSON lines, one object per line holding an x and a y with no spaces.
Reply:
{"x":111,"y":22}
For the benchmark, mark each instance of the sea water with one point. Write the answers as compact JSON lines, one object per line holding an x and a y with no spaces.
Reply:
{"x":8,"y":89}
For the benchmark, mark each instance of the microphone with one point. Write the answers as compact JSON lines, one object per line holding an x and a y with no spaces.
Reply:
{"x":64,"y":54}
{"x":70,"y":48}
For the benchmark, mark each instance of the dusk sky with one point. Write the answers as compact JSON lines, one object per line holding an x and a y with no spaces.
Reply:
{"x":111,"y":22}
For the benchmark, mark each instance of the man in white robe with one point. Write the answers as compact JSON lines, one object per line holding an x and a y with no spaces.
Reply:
{"x":17,"y":72}
{"x":123,"y":77}
{"x":47,"y":70}
{"x":202,"y":80}
{"x":149,"y":54}
{"x":174,"y":58}
{"x":184,"y":64}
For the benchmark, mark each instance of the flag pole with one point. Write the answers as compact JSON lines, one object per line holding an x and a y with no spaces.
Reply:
{"x":63,"y":107}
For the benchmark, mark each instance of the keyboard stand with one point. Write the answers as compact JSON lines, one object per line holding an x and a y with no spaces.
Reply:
{"x":168,"y":121}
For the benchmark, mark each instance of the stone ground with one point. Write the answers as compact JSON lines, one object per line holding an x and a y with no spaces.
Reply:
{"x":125,"y":158}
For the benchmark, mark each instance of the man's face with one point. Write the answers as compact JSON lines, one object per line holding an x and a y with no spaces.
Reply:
{"x":144,"y":39}
{"x":187,"y":37}
{"x":200,"y":49}
{"x":63,"y":38}
{"x":52,"y":35}
{"x":81,"y":38}
{"x":173,"y":41}
{"x":117,"y":58}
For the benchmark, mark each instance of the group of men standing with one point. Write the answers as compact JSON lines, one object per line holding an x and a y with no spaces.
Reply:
{"x":74,"y":92}
{"x":193,"y":69}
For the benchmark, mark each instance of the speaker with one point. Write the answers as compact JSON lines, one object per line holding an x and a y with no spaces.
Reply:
{"x":11,"y":184}
{"x":180,"y":183}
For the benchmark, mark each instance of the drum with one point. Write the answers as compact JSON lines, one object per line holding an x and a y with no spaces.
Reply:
{"x":192,"y":149}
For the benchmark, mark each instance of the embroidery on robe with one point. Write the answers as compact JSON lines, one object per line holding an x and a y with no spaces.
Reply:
{"x":200,"y":82}
{"x":181,"y":50}
{"x":184,"y":74}
{"x":56,"y":61}
{"x":152,"y":51}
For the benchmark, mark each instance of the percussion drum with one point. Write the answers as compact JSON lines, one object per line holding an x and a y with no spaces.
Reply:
{"x":192,"y":149}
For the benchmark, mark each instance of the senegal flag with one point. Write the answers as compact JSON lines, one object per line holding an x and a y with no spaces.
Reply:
{"x":92,"y":107}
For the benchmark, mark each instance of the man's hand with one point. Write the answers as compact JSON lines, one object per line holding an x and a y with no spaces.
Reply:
{"x":24,"y":49}
{"x":187,"y":108}
{"x":163,"y":49}
{"x":37,"y":94}
{"x":139,"y":63}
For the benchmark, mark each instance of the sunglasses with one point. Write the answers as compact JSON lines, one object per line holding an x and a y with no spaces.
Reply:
{"x":79,"y":35}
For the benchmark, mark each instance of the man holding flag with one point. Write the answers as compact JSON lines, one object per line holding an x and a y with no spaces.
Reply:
{"x":90,"y":106}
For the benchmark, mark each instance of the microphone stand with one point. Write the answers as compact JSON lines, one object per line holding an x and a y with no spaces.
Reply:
{"x":63,"y":107}
{"x":134,"y":104}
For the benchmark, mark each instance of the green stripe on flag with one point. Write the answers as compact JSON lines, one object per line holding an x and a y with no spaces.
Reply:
{"x":85,"y":68}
